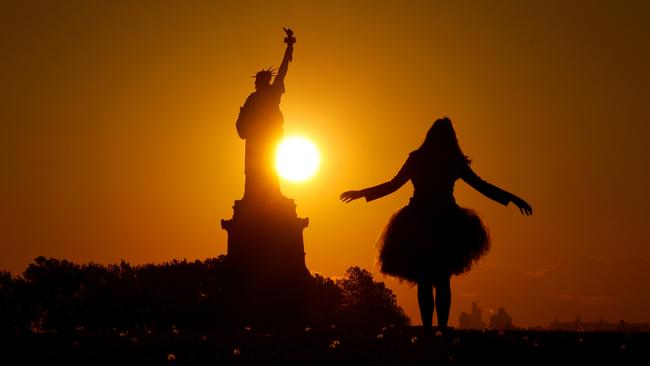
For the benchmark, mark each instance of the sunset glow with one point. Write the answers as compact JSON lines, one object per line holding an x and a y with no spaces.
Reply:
{"x":297,"y":159}
{"x":118,"y":136}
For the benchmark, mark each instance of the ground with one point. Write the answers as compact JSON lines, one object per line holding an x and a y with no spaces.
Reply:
{"x":385,"y":345}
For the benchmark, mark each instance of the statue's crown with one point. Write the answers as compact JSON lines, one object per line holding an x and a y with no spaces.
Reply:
{"x":266,"y":74}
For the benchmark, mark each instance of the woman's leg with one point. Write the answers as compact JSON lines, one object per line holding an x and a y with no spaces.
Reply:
{"x":443,"y":293}
{"x":426,"y":303}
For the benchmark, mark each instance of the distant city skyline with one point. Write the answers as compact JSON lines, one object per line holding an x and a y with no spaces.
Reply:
{"x":501,"y":320}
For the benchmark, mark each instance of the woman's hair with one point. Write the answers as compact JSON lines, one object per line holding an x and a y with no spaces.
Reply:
{"x":441,"y":141}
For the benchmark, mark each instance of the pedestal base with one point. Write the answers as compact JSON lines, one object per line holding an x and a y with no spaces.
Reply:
{"x":266,"y":258}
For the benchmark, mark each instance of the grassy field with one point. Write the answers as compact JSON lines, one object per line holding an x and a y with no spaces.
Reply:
{"x":324,"y":346}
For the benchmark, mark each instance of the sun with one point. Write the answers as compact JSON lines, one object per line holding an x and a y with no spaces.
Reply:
{"x":297,"y":159}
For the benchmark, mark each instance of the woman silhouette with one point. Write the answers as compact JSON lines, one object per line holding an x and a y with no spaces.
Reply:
{"x":432,"y":238}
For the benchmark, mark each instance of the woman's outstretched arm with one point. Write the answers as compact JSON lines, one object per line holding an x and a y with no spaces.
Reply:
{"x":493,"y":192}
{"x":380,"y":190}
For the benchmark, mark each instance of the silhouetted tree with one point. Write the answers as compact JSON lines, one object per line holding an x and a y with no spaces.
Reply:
{"x":324,"y":300}
{"x":366,"y":302}
{"x":59,"y":295}
{"x":9,"y":317}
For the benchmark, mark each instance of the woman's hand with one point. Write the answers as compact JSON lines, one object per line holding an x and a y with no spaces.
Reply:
{"x":524,"y":207}
{"x":350,"y":196}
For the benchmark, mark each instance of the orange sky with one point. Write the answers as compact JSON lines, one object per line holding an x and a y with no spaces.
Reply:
{"x":117,"y":136}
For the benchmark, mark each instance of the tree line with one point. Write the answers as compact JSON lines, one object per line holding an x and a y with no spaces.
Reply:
{"x":62,"y":296}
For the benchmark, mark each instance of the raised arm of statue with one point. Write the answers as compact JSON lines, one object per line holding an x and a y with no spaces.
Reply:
{"x":288,"y":56}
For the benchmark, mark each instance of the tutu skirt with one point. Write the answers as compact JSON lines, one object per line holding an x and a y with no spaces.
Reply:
{"x":431,"y":244}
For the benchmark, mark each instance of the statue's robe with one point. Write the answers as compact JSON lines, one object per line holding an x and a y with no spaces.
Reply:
{"x":260,"y":124}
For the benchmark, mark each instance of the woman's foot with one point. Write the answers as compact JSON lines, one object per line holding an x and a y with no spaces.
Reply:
{"x":443,"y":331}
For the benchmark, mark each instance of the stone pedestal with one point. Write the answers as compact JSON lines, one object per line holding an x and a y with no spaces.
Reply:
{"x":266,"y":257}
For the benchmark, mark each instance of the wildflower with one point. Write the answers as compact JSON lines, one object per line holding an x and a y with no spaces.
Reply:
{"x":414,"y":339}
{"x":438,"y":334}
{"x":236,"y":352}
{"x":380,"y":336}
{"x":333,"y":326}
{"x":171,"y":357}
{"x":335,"y":344}
{"x":248,"y":329}
{"x":384,"y":329}
{"x":307,"y":329}
{"x":124,"y":334}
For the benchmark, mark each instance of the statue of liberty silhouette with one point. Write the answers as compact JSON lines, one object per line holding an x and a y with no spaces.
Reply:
{"x":260,"y":124}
